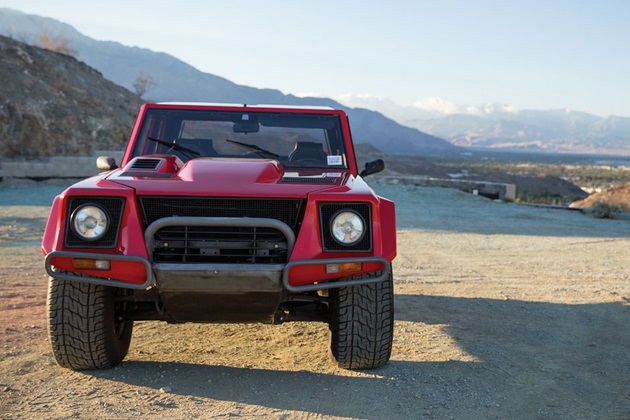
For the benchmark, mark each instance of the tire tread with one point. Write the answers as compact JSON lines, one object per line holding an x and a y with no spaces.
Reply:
{"x":362,"y":325}
{"x":78,"y":326}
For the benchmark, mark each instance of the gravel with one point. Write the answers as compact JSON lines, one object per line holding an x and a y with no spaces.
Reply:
{"x":502,"y":311}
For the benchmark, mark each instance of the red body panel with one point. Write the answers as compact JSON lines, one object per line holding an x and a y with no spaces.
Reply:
{"x":219,"y":177}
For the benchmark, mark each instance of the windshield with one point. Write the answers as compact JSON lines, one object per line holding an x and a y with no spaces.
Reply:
{"x":294,"y":139}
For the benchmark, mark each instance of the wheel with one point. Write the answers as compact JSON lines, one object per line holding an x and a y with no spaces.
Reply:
{"x":362,"y":324}
{"x":85,"y":325}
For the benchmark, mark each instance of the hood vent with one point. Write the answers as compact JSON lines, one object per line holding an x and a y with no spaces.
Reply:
{"x":146,"y":164}
{"x":308,"y":180}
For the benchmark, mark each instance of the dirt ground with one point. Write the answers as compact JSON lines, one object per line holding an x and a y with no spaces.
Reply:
{"x":502,"y":311}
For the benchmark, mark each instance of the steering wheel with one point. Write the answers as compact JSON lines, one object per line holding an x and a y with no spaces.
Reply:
{"x":308,"y":162}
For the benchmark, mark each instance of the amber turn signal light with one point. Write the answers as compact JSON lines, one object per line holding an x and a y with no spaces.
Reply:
{"x":342,"y":268}
{"x":89,"y":264}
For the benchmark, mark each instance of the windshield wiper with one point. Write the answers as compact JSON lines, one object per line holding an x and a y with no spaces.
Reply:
{"x":255,"y":148}
{"x":189,"y":153}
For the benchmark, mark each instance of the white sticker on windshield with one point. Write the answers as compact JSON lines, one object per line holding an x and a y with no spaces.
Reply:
{"x":334,"y":160}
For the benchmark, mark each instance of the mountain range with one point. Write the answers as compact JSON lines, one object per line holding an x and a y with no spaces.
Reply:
{"x":175,"y":80}
{"x":433,"y":127}
{"x":501,"y":126}
{"x":52,"y":104}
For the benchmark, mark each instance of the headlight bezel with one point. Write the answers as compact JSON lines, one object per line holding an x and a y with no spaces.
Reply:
{"x":115,"y":205}
{"x":100,"y":232}
{"x":329,"y":208}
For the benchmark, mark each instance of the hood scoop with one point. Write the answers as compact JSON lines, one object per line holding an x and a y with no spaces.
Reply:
{"x":158,"y":166}
{"x":144,"y":164}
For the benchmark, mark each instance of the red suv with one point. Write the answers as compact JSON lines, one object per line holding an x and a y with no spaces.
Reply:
{"x":223,"y":213}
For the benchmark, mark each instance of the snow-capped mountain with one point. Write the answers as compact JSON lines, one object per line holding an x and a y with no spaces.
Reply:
{"x":496,"y":125}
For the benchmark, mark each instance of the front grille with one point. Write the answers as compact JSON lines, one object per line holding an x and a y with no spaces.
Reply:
{"x":199,"y":244}
{"x":113,"y":205}
{"x":205,"y":244}
{"x":328,"y":210}
{"x":285,"y":210}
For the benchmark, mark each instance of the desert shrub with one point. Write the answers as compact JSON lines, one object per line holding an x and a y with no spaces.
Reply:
{"x":143,"y":84}
{"x":544,"y":198}
{"x":58,"y":44}
{"x":606,"y":211}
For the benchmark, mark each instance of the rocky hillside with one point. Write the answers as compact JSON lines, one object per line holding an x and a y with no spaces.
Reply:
{"x":52,"y":104}
{"x":176,"y":81}
{"x":398,"y":165}
{"x":618,"y":196}
{"x":528,"y":187}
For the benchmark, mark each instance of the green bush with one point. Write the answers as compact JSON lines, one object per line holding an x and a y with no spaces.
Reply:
{"x":544,"y":198}
{"x":606,"y":211}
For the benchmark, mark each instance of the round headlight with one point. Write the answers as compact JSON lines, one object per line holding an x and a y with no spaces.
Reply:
{"x":347,"y":227}
{"x":90,"y":222}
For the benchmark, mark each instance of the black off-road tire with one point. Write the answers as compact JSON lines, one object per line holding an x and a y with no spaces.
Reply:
{"x":362,"y":324}
{"x":85,"y":326}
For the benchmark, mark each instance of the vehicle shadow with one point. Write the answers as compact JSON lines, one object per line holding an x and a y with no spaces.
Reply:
{"x":303,"y":391}
{"x":554,"y":358}
{"x":518,"y":358}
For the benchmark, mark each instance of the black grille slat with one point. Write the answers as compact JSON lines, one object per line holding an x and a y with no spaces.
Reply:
{"x":224,"y":244}
{"x":145,"y":164}
{"x":194,"y":244}
{"x":285,"y":210}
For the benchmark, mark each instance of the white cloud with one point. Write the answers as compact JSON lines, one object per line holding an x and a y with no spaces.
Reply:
{"x":359,"y":96}
{"x":424,"y":109}
{"x":364,"y":100}
{"x":439,"y":105}
{"x":432,"y":107}
{"x":308,"y":95}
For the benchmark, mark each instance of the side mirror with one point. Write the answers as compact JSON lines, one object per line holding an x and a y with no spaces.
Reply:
{"x":106,"y":163}
{"x":372,"y":168}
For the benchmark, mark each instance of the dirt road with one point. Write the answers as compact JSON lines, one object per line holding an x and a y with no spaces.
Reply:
{"x":502,"y":311}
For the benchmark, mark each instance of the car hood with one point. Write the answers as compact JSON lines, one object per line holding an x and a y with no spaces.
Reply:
{"x":167,"y":175}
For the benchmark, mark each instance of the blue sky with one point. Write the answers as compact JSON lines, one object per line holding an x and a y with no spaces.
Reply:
{"x":531,"y":54}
